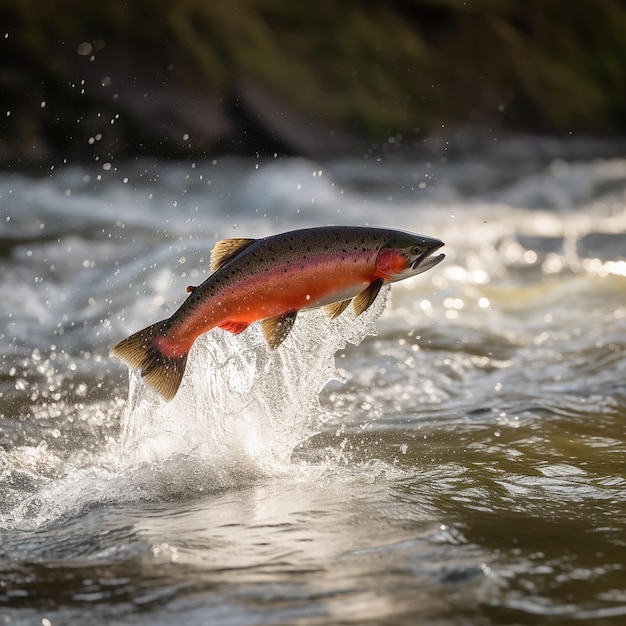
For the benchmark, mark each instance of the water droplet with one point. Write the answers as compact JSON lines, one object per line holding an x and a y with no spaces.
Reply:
{"x":84,"y":49}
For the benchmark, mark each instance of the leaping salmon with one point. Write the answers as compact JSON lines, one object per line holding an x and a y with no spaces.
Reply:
{"x":272,"y":279}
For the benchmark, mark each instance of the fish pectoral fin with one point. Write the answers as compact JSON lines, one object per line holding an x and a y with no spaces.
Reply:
{"x":364,"y":300}
{"x":336,"y":308}
{"x":233,"y":327}
{"x":227,"y":249}
{"x":276,"y":329}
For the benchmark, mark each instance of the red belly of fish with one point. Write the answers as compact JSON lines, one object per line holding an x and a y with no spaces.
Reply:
{"x":280,"y":294}
{"x":267,"y":294}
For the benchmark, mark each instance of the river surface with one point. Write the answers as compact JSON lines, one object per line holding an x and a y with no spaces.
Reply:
{"x":456,"y":455}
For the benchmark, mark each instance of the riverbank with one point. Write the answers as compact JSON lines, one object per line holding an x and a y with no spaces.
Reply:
{"x":106,"y":82}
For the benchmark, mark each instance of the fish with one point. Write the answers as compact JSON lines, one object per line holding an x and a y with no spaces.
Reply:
{"x":272,"y":279}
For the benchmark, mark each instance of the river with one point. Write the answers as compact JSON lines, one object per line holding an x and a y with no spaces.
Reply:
{"x":456,"y":455}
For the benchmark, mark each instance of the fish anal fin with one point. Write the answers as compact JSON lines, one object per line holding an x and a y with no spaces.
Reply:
{"x":233,"y":327}
{"x":227,"y":249}
{"x":336,"y":308}
{"x":276,"y":329}
{"x":363,"y":301}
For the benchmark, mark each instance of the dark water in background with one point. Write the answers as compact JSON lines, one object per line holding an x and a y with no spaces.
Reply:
{"x":466,"y":468}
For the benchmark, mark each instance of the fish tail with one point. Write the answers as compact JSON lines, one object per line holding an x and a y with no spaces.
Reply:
{"x":142,"y":351}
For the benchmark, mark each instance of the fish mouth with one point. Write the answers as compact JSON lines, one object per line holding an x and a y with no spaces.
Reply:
{"x":426,"y":261}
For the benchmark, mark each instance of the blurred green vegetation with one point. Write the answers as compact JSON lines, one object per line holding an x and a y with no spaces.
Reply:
{"x":374,"y":67}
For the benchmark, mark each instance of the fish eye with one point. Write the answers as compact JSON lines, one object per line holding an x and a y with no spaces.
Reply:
{"x":416,"y":250}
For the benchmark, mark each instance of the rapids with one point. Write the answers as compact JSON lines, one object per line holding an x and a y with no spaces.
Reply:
{"x":454,"y":455}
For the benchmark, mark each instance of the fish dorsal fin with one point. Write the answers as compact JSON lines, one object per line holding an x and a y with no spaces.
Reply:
{"x":226,"y":249}
{"x":336,"y":308}
{"x":276,"y":329}
{"x":191,"y":288}
{"x":363,"y":301}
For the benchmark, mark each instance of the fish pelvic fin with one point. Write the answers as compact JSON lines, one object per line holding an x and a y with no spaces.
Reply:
{"x":276,"y":329}
{"x":336,"y":308}
{"x":363,"y":301}
{"x":227,"y":249}
{"x":141,"y":351}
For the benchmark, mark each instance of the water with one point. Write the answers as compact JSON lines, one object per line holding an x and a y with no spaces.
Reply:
{"x":453,"y":456}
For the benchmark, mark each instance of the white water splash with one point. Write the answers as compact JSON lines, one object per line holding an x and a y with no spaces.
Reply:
{"x":241,"y":407}
{"x":239,"y":413}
